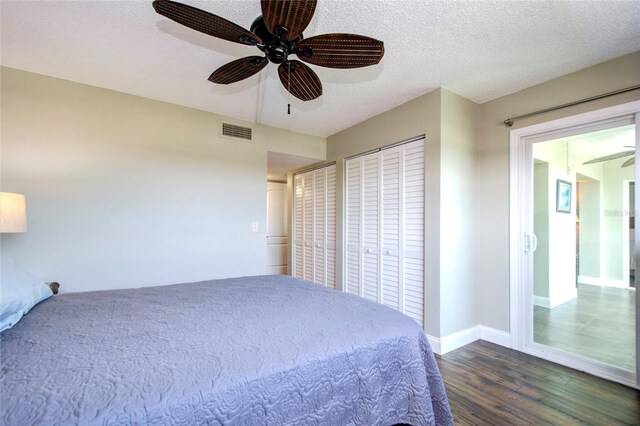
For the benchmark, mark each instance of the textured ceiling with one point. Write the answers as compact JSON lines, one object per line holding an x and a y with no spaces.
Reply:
{"x":480,"y":50}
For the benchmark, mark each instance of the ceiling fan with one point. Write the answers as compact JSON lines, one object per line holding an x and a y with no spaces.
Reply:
{"x":629,"y":162}
{"x":278,"y":34}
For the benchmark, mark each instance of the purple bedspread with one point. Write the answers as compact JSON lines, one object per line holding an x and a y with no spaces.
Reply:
{"x":253,"y":350}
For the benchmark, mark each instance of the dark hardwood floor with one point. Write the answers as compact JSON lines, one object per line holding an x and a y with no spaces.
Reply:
{"x":488,"y":384}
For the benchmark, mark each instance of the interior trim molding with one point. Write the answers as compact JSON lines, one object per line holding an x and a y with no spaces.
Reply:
{"x":459,"y":339}
{"x":541,"y":301}
{"x":462,"y":338}
{"x":603,"y":282}
{"x":435,"y":344}
{"x":496,"y":336}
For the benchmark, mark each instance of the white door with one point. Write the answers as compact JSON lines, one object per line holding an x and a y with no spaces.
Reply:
{"x":353,"y":262}
{"x":413,"y":203}
{"x":277,"y":229}
{"x":298,"y":226}
{"x":319,"y":225}
{"x":370,"y":227}
{"x":307,"y":230}
{"x":330,"y":227}
{"x":315,"y":226}
{"x":385,"y":228}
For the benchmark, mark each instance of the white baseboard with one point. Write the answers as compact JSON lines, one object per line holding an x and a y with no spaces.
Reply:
{"x":604,"y":282}
{"x":461,"y":338}
{"x":435,"y":344}
{"x":563,"y":298}
{"x":541,"y":301}
{"x":498,"y":337}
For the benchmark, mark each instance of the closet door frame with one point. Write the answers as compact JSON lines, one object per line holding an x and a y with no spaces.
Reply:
{"x":298,"y":241}
{"x":401,"y":243}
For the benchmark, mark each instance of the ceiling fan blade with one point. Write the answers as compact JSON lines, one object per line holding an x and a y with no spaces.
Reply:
{"x":300,"y":81}
{"x":292,"y":15}
{"x":341,"y":50}
{"x":238,"y":70}
{"x":611,"y":157}
{"x":629,"y":162}
{"x":205,"y":22}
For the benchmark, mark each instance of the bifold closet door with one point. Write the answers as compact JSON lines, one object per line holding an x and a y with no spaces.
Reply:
{"x":307,"y":230}
{"x":385,"y":228}
{"x":319,"y":225}
{"x":353,"y":227}
{"x":392,"y":218}
{"x":413,"y":229}
{"x":315,"y":226}
{"x":330,"y":227}
{"x":298,"y":227}
{"x":370,"y":227}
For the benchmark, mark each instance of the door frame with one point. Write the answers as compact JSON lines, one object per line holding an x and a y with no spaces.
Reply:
{"x":521,"y":238}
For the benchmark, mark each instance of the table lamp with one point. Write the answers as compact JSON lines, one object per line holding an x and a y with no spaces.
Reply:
{"x":13,"y":213}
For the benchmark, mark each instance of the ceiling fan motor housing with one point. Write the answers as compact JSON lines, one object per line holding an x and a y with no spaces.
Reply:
{"x":276,"y":49}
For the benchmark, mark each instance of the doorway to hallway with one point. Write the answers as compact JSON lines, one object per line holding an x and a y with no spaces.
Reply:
{"x":573,"y":242}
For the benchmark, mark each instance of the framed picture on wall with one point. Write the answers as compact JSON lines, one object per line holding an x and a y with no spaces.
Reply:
{"x":563,"y":196}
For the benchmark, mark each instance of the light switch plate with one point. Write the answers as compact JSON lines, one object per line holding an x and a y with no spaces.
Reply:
{"x":254,"y":227}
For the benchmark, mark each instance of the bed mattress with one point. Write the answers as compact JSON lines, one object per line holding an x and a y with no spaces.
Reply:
{"x":252,"y":350}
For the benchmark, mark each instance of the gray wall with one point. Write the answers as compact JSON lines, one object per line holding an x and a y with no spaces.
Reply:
{"x":541,"y":229}
{"x":124,"y":191}
{"x":614,"y":221}
{"x":590,"y":231}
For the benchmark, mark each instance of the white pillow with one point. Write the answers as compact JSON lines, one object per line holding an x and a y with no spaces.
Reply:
{"x":19,"y":292}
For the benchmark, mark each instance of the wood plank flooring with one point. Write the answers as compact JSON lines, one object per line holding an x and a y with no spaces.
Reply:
{"x":488,"y":384}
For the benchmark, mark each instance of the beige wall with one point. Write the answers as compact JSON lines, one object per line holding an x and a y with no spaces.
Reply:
{"x":414,"y":118}
{"x":458,"y":292}
{"x":449,"y":123}
{"x":116,"y":181}
{"x":492,"y":185}
{"x":124,"y":191}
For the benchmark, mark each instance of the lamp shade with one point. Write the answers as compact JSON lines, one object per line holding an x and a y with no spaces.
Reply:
{"x":13,"y":212}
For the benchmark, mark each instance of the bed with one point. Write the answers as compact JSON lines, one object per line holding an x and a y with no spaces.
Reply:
{"x":252,"y":350}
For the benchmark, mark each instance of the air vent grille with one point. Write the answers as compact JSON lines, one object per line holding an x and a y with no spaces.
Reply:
{"x":237,"y":132}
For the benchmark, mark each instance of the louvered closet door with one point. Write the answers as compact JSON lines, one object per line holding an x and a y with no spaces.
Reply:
{"x":319,"y":225}
{"x":330,"y":228}
{"x":385,"y":228}
{"x":315,"y":226}
{"x":298,"y":218}
{"x":391,"y":228}
{"x":370,"y":226}
{"x":353,"y":226}
{"x":413,"y":236}
{"x":307,"y":227}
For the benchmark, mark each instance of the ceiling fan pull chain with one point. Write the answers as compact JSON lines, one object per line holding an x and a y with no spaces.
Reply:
{"x":289,"y":88}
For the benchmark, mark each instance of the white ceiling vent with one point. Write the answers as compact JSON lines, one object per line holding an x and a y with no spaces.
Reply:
{"x":236,"y":132}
